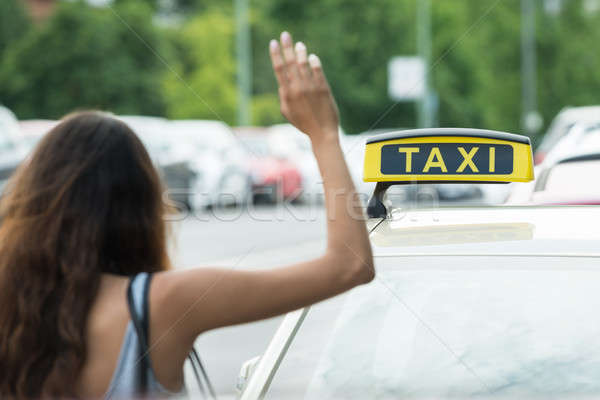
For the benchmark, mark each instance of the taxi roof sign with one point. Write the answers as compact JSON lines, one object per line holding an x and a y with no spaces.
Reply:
{"x":445,"y":155}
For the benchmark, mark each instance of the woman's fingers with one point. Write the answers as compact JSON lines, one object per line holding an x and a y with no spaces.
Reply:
{"x":317,"y":72}
{"x":289,"y":56}
{"x":302,"y":60}
{"x":278,"y":63}
{"x":305,"y":98}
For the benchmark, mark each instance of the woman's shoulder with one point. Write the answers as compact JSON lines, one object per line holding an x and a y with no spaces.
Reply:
{"x":171,"y":339}
{"x":173,"y":295}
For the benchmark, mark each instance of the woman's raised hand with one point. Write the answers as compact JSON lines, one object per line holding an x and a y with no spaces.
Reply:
{"x":305,"y":96}
{"x":306,"y":102}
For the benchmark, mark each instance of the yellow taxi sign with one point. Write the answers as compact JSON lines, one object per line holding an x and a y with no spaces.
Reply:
{"x":448,"y":155}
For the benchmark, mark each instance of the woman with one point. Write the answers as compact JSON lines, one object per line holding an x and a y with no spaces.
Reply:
{"x":84,"y":215}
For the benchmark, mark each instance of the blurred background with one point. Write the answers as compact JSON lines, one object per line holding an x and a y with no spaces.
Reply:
{"x":193,"y":79}
{"x":506,"y":65}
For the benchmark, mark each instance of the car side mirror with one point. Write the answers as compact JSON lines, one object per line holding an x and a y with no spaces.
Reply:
{"x":245,"y":374}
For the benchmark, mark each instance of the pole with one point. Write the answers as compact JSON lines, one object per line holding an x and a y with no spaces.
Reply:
{"x":244,"y":64}
{"x":424,"y":50}
{"x":530,"y":117}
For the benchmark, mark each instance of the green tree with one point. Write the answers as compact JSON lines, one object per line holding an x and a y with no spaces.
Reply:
{"x":13,"y":23}
{"x":153,"y":4}
{"x":85,"y":57}
{"x":265,"y":110}
{"x":475,"y":70}
{"x":355,"y":40}
{"x":569,"y":63}
{"x":108,"y":58}
{"x":202,"y":80}
{"x":476,"y":67}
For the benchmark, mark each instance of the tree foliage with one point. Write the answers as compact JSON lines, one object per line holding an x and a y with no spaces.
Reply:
{"x":13,"y":23}
{"x":569,"y":63}
{"x":202,"y":82}
{"x":475,"y":69}
{"x":355,"y":41}
{"x":89,"y":57}
{"x":85,"y":57}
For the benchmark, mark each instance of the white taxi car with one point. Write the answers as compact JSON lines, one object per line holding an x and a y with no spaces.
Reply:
{"x":490,"y":302}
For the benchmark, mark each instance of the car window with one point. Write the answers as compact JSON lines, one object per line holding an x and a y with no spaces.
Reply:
{"x":459,"y":327}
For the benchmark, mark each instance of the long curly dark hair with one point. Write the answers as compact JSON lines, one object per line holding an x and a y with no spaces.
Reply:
{"x":87,"y":202}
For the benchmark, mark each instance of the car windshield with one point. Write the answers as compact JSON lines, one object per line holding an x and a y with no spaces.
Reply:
{"x":453,"y":327}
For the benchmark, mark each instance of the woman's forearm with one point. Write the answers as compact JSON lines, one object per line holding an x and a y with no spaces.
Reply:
{"x":347,"y":237}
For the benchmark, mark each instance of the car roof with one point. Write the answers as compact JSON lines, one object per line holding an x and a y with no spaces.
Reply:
{"x":581,"y":139}
{"x":561,"y":124}
{"x":249,"y":130}
{"x":199,"y":124}
{"x":202,"y":130}
{"x":577,"y":113}
{"x":36,"y":127}
{"x":143,"y":121}
{"x":9,"y":125}
{"x":541,"y":231}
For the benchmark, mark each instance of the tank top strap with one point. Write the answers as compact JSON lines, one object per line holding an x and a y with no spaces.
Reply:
{"x":134,"y":375}
{"x":139,"y":289}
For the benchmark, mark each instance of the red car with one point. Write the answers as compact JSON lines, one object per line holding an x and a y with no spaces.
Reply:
{"x":273,"y":178}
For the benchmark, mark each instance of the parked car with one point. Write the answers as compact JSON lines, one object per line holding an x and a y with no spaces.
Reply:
{"x":33,"y":130}
{"x":572,"y":180}
{"x":10,"y":124}
{"x":464,"y":191}
{"x":562,"y":124}
{"x":286,"y":141}
{"x":273,"y":177}
{"x":217,"y":159}
{"x":568,"y":174}
{"x":176,"y":173}
{"x":12,"y":152}
{"x":289,"y":143}
{"x":353,"y":147}
{"x":579,"y":137}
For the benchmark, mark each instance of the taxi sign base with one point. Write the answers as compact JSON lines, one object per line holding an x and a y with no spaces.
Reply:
{"x":376,"y":208}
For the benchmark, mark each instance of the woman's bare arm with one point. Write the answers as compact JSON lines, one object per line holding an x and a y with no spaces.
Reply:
{"x":189,"y":302}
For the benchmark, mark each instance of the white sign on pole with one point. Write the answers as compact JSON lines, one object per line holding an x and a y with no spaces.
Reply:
{"x":406,"y":78}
